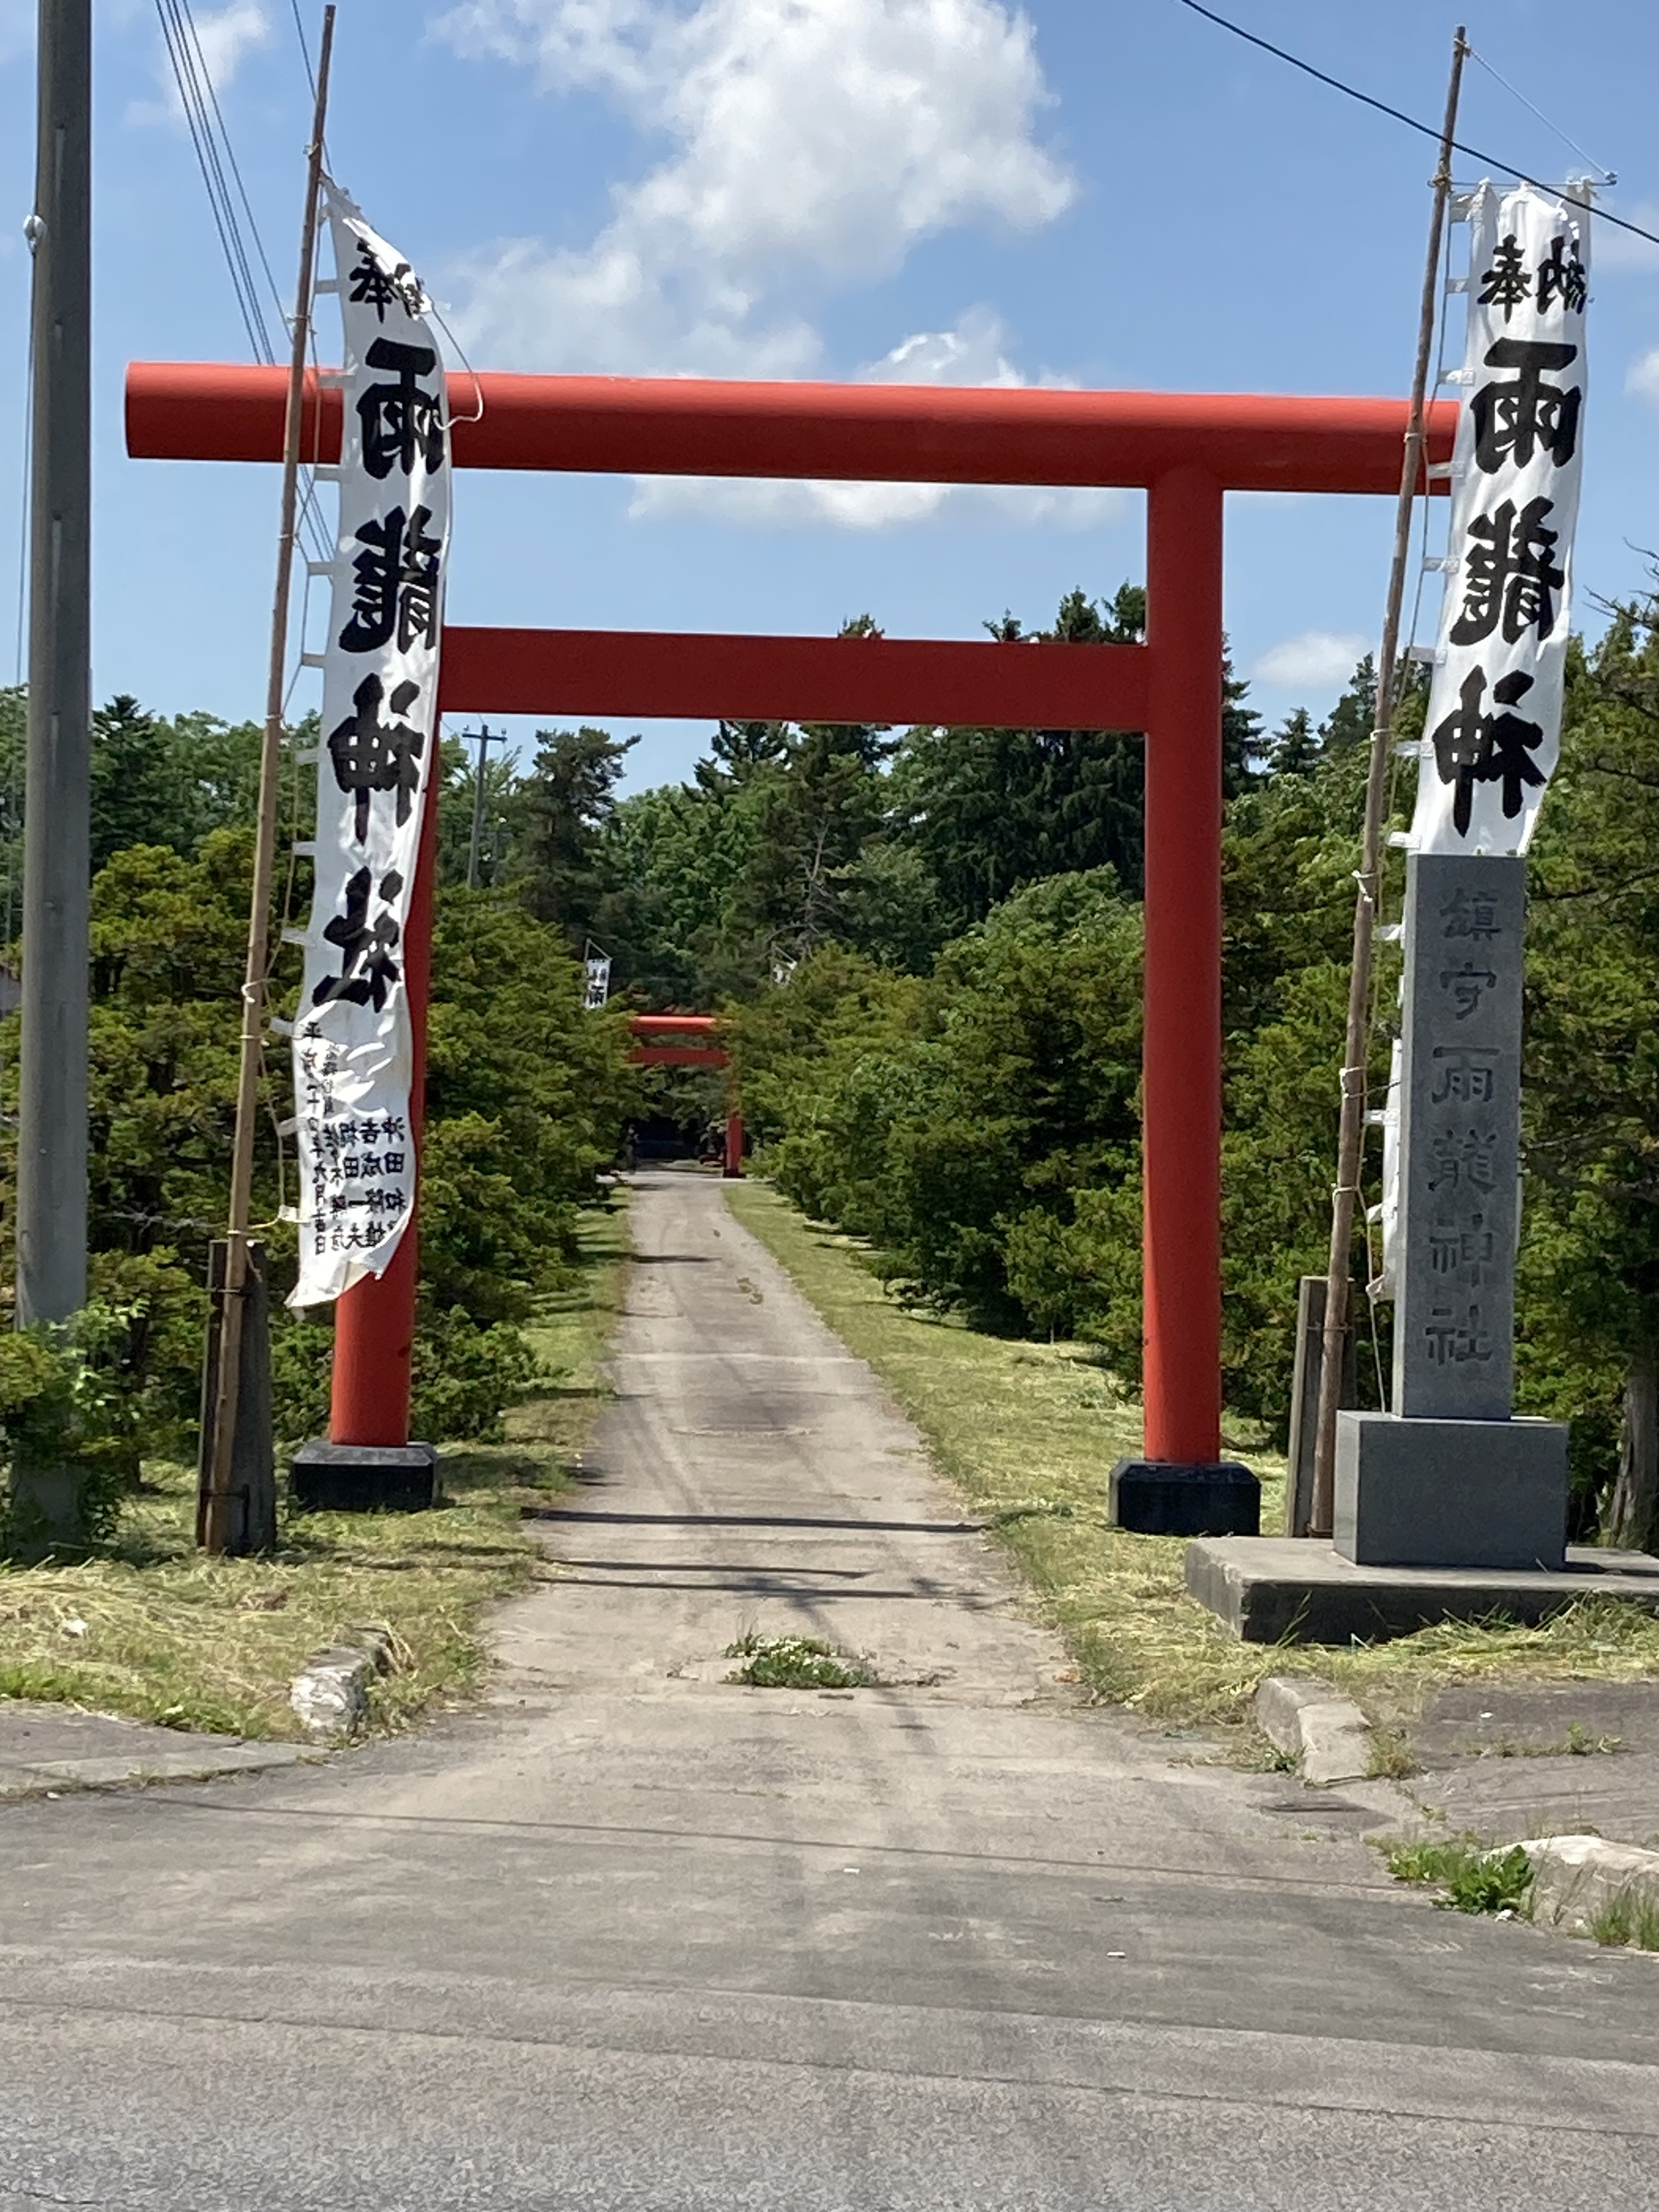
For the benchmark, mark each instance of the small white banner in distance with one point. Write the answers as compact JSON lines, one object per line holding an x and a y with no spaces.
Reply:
{"x":599,"y":983}
{"x":353,"y":1060}
{"x":1494,"y":719}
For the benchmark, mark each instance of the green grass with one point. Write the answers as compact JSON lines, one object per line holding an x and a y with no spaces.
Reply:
{"x":1630,"y":1917}
{"x":154,"y":1630}
{"x":1028,"y":1433}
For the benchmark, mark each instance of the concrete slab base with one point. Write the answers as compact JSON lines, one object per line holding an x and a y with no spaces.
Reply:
{"x":1282,"y":1589}
{"x":1169,"y":1498}
{"x":46,"y":1748}
{"x":328,"y":1478}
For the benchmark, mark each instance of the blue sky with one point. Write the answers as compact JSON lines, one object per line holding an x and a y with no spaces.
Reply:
{"x":1088,"y":192}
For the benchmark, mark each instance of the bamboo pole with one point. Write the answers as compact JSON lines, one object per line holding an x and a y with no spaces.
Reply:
{"x":214,"y":1517}
{"x":1352,"y":1133}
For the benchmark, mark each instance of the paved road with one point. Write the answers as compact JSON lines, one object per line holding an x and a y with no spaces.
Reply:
{"x":634,"y":1940}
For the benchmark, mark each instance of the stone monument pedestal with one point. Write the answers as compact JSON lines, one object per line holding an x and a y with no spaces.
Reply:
{"x":1417,"y":1492}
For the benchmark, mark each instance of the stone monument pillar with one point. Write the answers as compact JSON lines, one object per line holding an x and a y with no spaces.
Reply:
{"x":1451,"y":1478}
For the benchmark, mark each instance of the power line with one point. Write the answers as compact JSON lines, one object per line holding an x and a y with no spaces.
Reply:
{"x":188,"y":69}
{"x":1514,"y":92}
{"x":1398,"y":115}
{"x":305,"y":50}
{"x":230,"y":156}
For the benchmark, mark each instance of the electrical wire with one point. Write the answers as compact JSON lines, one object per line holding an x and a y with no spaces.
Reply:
{"x":230,"y":156}
{"x":1608,"y":176}
{"x":189,"y":68}
{"x":1398,"y":115}
{"x":230,"y":206}
{"x":305,"y":50}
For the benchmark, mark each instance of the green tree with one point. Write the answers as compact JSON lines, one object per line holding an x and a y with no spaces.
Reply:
{"x":1589,"y":1266}
{"x":566,"y":806}
{"x":1295,"y":749}
{"x":1353,"y":718}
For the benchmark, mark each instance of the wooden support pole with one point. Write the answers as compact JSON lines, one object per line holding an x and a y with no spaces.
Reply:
{"x":1351,"y":1130}
{"x":217,"y":1503}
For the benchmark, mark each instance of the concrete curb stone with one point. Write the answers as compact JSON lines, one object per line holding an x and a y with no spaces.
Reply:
{"x":330,"y":1693}
{"x":1310,"y":1721}
{"x":1575,"y":1877}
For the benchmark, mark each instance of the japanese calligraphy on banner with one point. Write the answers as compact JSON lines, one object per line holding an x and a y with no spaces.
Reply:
{"x":352,"y":1050}
{"x":1494,"y":719}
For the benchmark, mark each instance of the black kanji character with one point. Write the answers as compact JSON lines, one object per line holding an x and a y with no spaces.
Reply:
{"x":1506,"y":284}
{"x":1511,"y":576}
{"x":372,"y":286}
{"x":1561,"y":276}
{"x":1512,"y":421}
{"x":1511,"y":743}
{"x":371,"y":755}
{"x":1460,"y":745}
{"x":1473,"y":747}
{"x":396,"y":590}
{"x":401,"y":422}
{"x":367,"y":969}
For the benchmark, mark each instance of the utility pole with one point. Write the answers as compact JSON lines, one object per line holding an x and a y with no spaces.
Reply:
{"x":484,"y":739}
{"x":218,"y":1498}
{"x":52,"y":1145}
{"x":1350,"y":1138}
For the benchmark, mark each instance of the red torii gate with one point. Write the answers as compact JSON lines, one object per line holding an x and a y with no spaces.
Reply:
{"x":690,"y":1041}
{"x":1185,"y":450}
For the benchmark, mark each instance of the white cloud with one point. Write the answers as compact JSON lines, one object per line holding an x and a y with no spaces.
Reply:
{"x":811,"y":144}
{"x":1315,"y":660}
{"x":226,"y":36}
{"x":973,"y":352}
{"x":1642,"y":377}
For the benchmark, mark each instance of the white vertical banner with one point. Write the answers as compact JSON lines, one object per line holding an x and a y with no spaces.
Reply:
{"x":352,"y":1051}
{"x":1494,"y":721}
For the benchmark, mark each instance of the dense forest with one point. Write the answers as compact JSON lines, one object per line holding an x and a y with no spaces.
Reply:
{"x":929,"y":944}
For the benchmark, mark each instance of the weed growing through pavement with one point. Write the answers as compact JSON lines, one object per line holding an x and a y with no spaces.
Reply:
{"x":1631,"y":1916}
{"x":796,"y":1662}
{"x":1473,"y":1878}
{"x":1390,"y":1758}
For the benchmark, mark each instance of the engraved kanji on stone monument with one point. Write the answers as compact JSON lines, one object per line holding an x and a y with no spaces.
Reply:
{"x":1454,"y":1321}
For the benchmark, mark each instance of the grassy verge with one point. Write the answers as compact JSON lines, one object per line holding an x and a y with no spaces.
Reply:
{"x":1028,"y":1433}
{"x":153,"y":1629}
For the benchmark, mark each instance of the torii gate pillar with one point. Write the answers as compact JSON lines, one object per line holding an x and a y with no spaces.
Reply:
{"x":1183,"y":1485}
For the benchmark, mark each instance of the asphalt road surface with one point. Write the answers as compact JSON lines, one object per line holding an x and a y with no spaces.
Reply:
{"x":636,"y":1940}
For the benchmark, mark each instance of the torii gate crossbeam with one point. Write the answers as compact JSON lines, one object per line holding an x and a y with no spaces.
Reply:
{"x":1186,"y":450}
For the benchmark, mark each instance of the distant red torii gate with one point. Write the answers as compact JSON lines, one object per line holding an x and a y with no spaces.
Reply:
{"x":1186,"y":450}
{"x":690,"y":1041}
